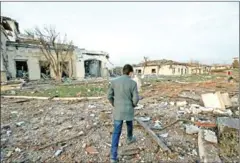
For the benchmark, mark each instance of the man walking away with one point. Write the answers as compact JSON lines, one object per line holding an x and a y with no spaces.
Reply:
{"x":123,"y":95}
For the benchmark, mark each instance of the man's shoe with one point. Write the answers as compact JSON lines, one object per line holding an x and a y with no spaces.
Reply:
{"x":132,"y":140}
{"x":114,"y":161}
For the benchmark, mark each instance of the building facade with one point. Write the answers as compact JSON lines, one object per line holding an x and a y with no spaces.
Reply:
{"x":9,"y":32}
{"x":169,"y":67}
{"x":28,"y":59}
{"x":22,"y":57}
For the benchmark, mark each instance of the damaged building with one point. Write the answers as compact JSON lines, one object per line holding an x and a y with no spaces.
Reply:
{"x":21,"y":57}
{"x":91,"y":63}
{"x":9,"y":32}
{"x":169,"y":67}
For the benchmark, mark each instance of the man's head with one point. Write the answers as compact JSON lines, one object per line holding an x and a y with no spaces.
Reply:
{"x":128,"y":70}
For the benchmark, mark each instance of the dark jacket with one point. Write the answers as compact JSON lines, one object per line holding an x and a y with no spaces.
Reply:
{"x":123,"y":95}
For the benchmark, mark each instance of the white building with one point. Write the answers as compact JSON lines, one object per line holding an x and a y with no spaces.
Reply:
{"x":21,"y":54}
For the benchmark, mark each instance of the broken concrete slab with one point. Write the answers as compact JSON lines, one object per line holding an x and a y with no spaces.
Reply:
{"x":226,"y":122}
{"x":226,"y":99}
{"x":181,"y":103}
{"x":227,"y":112}
{"x":213,"y":100}
{"x":210,"y":136}
{"x":154,"y":136}
{"x":235,"y":100}
{"x":144,"y":119}
{"x":191,"y":129}
{"x":207,"y":151}
{"x":189,"y":95}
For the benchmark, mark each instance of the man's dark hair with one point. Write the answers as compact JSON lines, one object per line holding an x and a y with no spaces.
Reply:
{"x":127,"y":69}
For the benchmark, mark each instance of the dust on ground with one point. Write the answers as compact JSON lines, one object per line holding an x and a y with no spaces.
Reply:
{"x":80,"y":131}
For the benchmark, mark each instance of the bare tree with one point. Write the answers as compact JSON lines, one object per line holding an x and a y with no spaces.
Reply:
{"x":56,"y":49}
{"x":144,"y":63}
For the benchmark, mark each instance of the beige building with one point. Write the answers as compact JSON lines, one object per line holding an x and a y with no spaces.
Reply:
{"x":80,"y":64}
{"x":21,"y":56}
{"x":221,"y":67}
{"x":169,"y":67}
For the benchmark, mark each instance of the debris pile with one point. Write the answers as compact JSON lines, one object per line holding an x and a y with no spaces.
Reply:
{"x":175,"y":121}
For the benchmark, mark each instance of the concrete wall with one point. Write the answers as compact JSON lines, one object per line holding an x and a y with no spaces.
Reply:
{"x":79,"y":64}
{"x":173,"y":70}
{"x":14,"y":32}
{"x":163,"y":70}
{"x":32,"y":56}
{"x":3,"y":55}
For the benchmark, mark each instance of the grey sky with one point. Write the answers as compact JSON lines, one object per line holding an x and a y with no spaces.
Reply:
{"x":208,"y":32}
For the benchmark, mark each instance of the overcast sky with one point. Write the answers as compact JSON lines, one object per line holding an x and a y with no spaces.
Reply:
{"x":181,"y":31}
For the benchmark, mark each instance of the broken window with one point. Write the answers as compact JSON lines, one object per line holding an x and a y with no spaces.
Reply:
{"x":173,"y":71}
{"x":178,"y":70}
{"x":21,"y":69}
{"x":153,"y":71}
{"x":181,"y":71}
{"x":139,"y":71}
{"x":92,"y":68}
{"x":44,"y":69}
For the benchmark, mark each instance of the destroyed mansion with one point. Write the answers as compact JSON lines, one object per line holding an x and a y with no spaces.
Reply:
{"x":21,"y":56}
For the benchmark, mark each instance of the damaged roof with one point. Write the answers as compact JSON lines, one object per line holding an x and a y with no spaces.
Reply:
{"x":95,"y":53}
{"x":6,"y":25}
{"x":168,"y":62}
{"x":159,"y":62}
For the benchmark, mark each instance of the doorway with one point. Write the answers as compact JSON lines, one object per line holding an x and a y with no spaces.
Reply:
{"x":21,"y":69}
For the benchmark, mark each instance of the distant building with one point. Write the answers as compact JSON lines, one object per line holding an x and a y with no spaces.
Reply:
{"x":221,"y":67}
{"x":169,"y":67}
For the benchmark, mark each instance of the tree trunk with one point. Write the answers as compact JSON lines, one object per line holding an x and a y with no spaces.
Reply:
{"x":58,"y":77}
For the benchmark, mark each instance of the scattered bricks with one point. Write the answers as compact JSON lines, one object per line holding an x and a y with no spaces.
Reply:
{"x":207,"y":151}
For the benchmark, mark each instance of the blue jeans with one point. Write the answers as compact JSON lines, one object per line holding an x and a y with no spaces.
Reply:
{"x":116,"y":135}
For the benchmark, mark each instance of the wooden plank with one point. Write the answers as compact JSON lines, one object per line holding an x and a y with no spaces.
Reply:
{"x":154,"y":136}
{"x":54,"y":98}
{"x":26,"y":97}
{"x":75,"y":98}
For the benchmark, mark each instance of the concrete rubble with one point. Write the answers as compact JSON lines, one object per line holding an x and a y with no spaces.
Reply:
{"x":183,"y":122}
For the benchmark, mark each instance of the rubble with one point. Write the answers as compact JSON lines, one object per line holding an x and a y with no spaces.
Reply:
{"x":191,"y":129}
{"x":58,"y":152}
{"x":86,"y":126}
{"x":144,"y":119}
{"x":207,"y":151}
{"x":91,"y":150}
{"x":20,"y":123}
{"x":210,"y":136}
{"x":164,"y":135}
{"x":138,"y":107}
{"x":181,"y":103}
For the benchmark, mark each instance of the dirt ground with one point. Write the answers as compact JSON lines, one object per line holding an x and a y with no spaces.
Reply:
{"x":82,"y":129}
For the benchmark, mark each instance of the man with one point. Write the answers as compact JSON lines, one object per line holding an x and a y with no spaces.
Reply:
{"x":123,"y":95}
